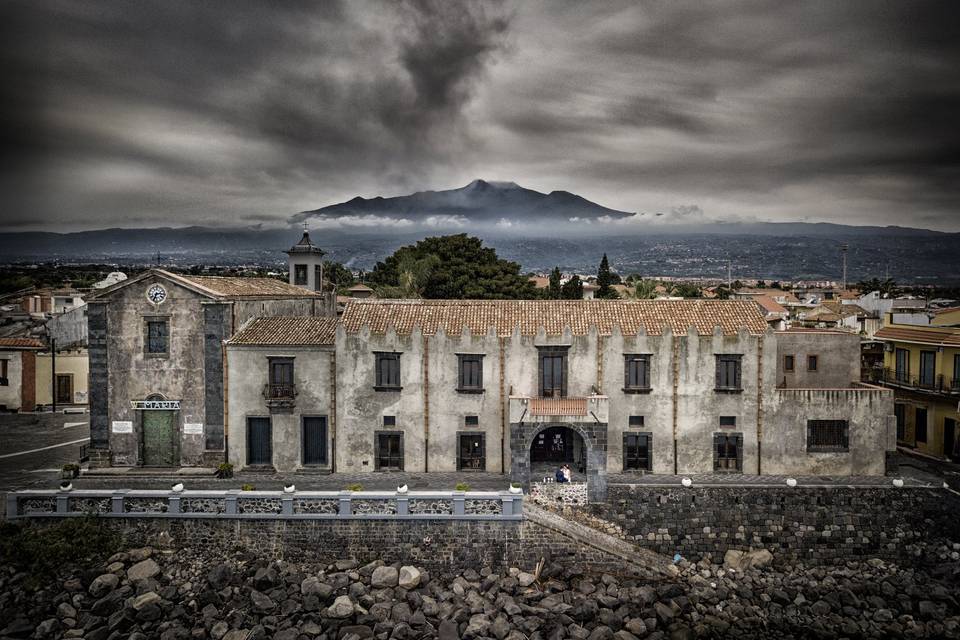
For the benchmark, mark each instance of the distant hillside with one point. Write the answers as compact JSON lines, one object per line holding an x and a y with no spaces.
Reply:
{"x":479,"y":201}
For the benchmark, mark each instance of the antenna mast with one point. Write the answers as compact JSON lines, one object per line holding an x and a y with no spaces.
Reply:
{"x":843,"y":255}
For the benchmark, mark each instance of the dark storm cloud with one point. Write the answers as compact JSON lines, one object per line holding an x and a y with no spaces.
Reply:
{"x":166,"y":113}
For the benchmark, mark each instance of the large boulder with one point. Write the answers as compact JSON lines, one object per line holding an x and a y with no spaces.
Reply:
{"x":143,"y":570}
{"x":384,"y":577}
{"x":341,"y":608}
{"x":104,"y":584}
{"x":409,"y":577}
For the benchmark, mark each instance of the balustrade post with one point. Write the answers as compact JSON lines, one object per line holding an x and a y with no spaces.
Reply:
{"x":63,"y":503}
{"x":346,"y":510}
{"x":403,"y":506}
{"x":173,"y":505}
{"x":13,"y":508}
{"x":116,"y":503}
{"x":286,"y":505}
{"x":506,"y":504}
{"x":230,"y":503}
{"x":459,"y":505}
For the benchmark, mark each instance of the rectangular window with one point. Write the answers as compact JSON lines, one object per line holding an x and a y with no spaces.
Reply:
{"x":471,"y":453}
{"x":636,"y":374}
{"x":788,"y":363}
{"x":635,"y":421}
{"x":553,"y":372}
{"x":157,"y":337}
{"x":637,"y":451}
{"x":902,"y":364}
{"x":4,"y":381}
{"x":828,"y":435}
{"x":920,"y":424}
{"x":472,"y":421}
{"x":900,"y":411}
{"x":388,"y":454}
{"x":300,"y":274}
{"x":314,"y":440}
{"x":728,"y":422}
{"x":318,"y":278}
{"x":812,"y":362}
{"x":389,"y":421}
{"x":470,"y":378}
{"x":728,"y":373}
{"x":259,"y":442}
{"x":728,"y":452}
{"x":280,"y":378}
{"x":927,"y":368}
{"x":388,"y":371}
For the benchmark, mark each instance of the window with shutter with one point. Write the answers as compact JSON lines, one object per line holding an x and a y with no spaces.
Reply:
{"x":470,"y":375}
{"x":637,"y":451}
{"x":387,"y":371}
{"x":728,"y":452}
{"x":471,"y":454}
{"x":728,"y":373}
{"x":636,"y":373}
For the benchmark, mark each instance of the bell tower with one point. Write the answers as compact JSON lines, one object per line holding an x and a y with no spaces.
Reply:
{"x":305,"y":261}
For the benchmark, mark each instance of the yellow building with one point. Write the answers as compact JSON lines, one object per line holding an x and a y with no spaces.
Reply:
{"x":70,"y":384}
{"x":922,"y":364}
{"x":946,"y":317}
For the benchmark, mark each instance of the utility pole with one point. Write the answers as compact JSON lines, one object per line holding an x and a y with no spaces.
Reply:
{"x":843,"y":254}
{"x":53,"y":373}
{"x":729,"y":283}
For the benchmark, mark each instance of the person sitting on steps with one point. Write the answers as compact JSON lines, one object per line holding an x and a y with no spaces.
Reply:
{"x":559,"y":475}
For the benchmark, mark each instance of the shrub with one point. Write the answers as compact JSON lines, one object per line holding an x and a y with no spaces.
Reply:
{"x":246,"y":486}
{"x":356,"y":486}
{"x":43,"y":550}
{"x":462,"y":486}
{"x":225,"y":470}
{"x":515,"y":485}
{"x":71,"y":466}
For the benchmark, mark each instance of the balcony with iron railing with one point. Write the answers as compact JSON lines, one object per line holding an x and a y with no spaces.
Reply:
{"x":593,"y":408}
{"x":938,"y":384}
{"x":280,"y":396}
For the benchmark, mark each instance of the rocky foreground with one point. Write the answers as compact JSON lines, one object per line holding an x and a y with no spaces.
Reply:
{"x":145,"y":593}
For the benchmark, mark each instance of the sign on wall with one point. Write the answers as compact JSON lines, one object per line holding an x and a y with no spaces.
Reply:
{"x":193,"y":428}
{"x":163,"y":405}
{"x":122,"y":426}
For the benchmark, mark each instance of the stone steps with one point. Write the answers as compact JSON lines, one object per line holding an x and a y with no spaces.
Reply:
{"x":645,"y":561}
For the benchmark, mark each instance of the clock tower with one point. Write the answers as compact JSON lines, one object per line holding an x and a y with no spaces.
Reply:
{"x":305,"y":261}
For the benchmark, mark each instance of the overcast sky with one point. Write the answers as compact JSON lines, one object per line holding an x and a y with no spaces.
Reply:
{"x":174,"y":113}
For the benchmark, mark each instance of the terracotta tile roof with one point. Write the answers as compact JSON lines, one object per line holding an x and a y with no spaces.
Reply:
{"x":940,"y":336}
{"x":248,"y":287}
{"x":769,"y":305}
{"x":553,"y":315}
{"x":287,"y":330}
{"x":29,"y":343}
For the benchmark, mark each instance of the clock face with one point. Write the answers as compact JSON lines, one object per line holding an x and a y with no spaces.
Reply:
{"x":156,"y":294}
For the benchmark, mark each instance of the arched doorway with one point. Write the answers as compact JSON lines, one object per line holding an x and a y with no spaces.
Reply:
{"x":537,"y":449}
{"x":158,"y":431}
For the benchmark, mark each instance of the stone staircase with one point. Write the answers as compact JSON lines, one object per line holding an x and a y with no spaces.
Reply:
{"x":642,"y":561}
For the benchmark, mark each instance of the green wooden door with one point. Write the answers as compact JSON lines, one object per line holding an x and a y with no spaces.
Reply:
{"x":158,"y":438}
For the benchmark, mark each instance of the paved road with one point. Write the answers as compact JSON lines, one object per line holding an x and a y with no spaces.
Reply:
{"x":33,"y":447}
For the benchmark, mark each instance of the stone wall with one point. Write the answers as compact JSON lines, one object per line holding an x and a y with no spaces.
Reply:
{"x":432,"y":544}
{"x":812,"y":524}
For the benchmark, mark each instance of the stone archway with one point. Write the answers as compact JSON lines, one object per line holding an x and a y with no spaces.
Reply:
{"x":594,"y":437}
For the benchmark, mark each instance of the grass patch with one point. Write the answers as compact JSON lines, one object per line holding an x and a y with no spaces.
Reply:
{"x":44,"y":550}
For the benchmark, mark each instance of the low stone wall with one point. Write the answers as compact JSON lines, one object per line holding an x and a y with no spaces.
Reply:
{"x":442,"y":545}
{"x":559,"y":495}
{"x":812,"y":524}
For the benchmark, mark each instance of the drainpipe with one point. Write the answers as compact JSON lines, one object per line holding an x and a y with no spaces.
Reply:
{"x":333,"y":409}
{"x":503,"y":411}
{"x":760,"y":403}
{"x":426,"y":405}
{"x":53,"y":373}
{"x":226,"y":403}
{"x":676,"y":384}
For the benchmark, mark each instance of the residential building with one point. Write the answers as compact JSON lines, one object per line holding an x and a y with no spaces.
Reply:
{"x":773,"y":312}
{"x":922,"y":365}
{"x":69,"y":386}
{"x":18,"y":367}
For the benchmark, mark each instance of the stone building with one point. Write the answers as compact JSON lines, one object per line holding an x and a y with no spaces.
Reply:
{"x":157,"y":365}
{"x":608,"y":386}
{"x":18,"y":373}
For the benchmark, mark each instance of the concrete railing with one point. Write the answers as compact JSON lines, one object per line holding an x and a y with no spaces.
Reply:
{"x":299,"y":505}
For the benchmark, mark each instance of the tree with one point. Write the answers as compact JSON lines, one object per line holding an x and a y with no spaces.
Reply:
{"x":604,"y":280}
{"x":685,"y":290}
{"x":553,"y":290}
{"x":572,"y":289}
{"x":338,"y":275}
{"x":723,"y":293}
{"x":737,"y":285}
{"x":450,"y":267}
{"x":761,"y":284}
{"x":646,"y":289}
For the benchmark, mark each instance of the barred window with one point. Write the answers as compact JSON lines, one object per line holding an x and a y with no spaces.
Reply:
{"x":728,"y":452}
{"x":812,"y":362}
{"x":470,"y":377}
{"x":388,"y":371}
{"x":636,"y":375}
{"x":728,"y":422}
{"x":788,"y":363}
{"x":635,"y":421}
{"x":828,"y":435}
{"x":728,"y":372}
{"x":472,"y":421}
